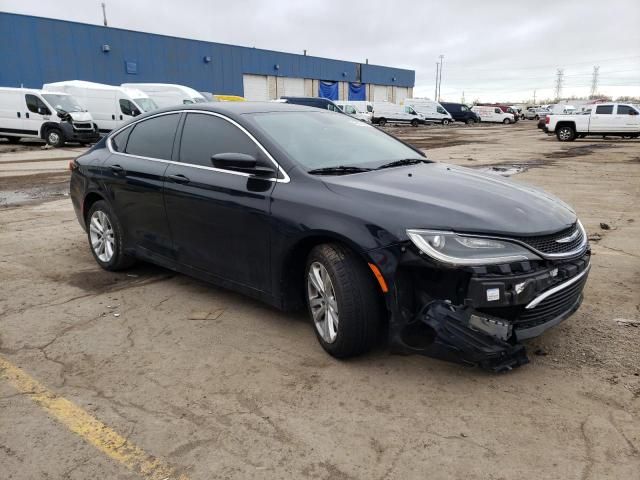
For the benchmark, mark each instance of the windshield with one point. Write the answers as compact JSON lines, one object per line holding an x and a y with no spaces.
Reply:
{"x":322,"y":140}
{"x":146,"y":104}
{"x":63,"y":102}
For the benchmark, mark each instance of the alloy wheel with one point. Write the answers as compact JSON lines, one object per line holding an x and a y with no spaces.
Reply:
{"x":102,"y":236}
{"x":564,"y":133}
{"x":322,"y":302}
{"x":53,"y":138}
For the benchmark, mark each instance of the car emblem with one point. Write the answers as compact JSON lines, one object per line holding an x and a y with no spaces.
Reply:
{"x":570,"y":238}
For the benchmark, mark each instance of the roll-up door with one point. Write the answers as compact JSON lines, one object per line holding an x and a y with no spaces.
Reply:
{"x":255,"y":87}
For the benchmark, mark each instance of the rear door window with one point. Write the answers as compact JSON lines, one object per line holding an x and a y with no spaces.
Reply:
{"x":206,"y":135}
{"x":153,"y":138}
{"x":604,"y":109}
{"x":624,"y":109}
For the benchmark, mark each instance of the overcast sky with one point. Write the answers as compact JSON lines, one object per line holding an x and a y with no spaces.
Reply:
{"x":494,"y":50}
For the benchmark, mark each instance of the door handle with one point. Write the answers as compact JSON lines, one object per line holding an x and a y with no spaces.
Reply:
{"x":113,"y":117}
{"x":26,"y":114}
{"x":120,"y":117}
{"x":18,"y":113}
{"x":178,"y":178}
{"x":117,"y":169}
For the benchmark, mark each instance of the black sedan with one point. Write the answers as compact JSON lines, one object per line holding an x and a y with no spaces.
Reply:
{"x":298,"y":206}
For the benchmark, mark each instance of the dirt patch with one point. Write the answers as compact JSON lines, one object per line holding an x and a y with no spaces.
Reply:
{"x":580,"y":150}
{"x":98,"y":280}
{"x":22,"y":189}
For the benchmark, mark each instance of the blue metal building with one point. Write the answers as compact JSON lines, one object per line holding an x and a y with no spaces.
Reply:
{"x":35,"y":50}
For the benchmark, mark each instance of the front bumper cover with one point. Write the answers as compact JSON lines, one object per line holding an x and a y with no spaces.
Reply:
{"x":478,"y":315}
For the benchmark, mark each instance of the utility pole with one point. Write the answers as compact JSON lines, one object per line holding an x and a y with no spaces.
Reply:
{"x":594,"y":80}
{"x":104,"y":13}
{"x":462,"y":102}
{"x":559,"y":80}
{"x":440,"y":80}
{"x":435,"y":95}
{"x":534,"y":97}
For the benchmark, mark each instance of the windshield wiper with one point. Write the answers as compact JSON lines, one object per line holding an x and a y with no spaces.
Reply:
{"x":339,"y":170}
{"x":404,"y":161}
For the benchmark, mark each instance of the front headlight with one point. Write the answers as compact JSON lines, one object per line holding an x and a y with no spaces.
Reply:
{"x":449,"y":247}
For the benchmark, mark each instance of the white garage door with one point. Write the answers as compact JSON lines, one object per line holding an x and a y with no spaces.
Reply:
{"x":379,"y":93}
{"x":401,"y":94}
{"x":255,"y":87}
{"x":293,"y":87}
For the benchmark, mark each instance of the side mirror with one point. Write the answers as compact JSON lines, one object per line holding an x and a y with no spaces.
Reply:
{"x":43,"y":111}
{"x":135,"y":112}
{"x":241,"y":162}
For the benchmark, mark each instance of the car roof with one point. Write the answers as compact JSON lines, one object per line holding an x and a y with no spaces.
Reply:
{"x":234,"y":109}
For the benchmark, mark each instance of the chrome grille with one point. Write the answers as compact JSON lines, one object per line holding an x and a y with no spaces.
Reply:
{"x":549,"y":243}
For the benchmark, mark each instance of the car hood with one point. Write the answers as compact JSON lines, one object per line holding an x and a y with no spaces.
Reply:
{"x":447,"y":197}
{"x":81,"y":116}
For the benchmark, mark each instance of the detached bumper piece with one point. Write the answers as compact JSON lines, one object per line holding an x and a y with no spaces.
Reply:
{"x":464,"y":337}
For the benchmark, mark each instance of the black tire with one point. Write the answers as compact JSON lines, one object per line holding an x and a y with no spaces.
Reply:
{"x":382,"y":122}
{"x":506,"y":121}
{"x":54,"y":137}
{"x":537,"y":117}
{"x":469,"y":121}
{"x":565,"y":133}
{"x":446,"y":121}
{"x":118,"y":260}
{"x":415,"y":123}
{"x":356,"y":294}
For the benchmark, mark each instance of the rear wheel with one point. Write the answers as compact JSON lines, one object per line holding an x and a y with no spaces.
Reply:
{"x":469,"y":121}
{"x":106,"y":237}
{"x":445,"y":121}
{"x":565,"y":133}
{"x":54,"y":137}
{"x":382,"y":122}
{"x":537,"y":117}
{"x":506,"y":121}
{"x":415,"y":123}
{"x":342,"y":299}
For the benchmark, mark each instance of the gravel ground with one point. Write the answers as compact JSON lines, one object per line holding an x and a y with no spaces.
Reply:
{"x":218,"y":385}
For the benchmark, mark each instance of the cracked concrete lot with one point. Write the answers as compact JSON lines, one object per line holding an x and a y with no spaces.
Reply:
{"x":219,"y":386}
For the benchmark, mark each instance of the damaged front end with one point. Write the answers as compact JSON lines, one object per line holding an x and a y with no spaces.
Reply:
{"x":479,"y":314}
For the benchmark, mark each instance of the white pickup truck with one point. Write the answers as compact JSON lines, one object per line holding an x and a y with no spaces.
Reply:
{"x":606,"y":119}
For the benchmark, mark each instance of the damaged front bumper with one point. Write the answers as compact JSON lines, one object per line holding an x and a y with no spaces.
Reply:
{"x":478,"y":315}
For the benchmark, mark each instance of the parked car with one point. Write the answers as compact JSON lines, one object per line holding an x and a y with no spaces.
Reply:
{"x":493,"y":114}
{"x":460,"y":112}
{"x":168,"y":94}
{"x":431,"y":111}
{"x":298,"y":206}
{"x":535,"y":113}
{"x":355,"y":109}
{"x":110,"y":106}
{"x":504,"y":108}
{"x":54,"y":117}
{"x":610,"y":119}
{"x":387,"y":112}
{"x":317,"y":102}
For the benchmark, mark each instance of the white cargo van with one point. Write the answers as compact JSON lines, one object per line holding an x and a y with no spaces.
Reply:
{"x":431,"y":111}
{"x":168,"y":94}
{"x":387,"y":112}
{"x":492,"y":114}
{"x":54,"y":117}
{"x":355,"y":109}
{"x":110,"y":106}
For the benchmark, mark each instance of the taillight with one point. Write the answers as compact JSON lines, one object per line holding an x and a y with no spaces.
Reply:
{"x":546,"y":119}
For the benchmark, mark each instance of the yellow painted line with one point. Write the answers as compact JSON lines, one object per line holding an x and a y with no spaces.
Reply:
{"x":89,"y":428}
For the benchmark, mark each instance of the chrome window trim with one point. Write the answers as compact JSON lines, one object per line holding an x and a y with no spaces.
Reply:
{"x":279,"y":169}
{"x":534,"y":303}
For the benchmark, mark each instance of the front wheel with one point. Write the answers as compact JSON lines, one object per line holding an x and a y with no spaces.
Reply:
{"x":54,"y":137}
{"x":415,"y":123}
{"x":445,"y":121}
{"x":106,"y":237}
{"x":342,"y":299}
{"x":469,"y":121}
{"x":565,"y":133}
{"x":506,"y":121}
{"x":382,"y":122}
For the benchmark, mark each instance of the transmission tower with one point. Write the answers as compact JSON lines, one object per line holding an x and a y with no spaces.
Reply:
{"x":559,"y":80}
{"x":594,"y":80}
